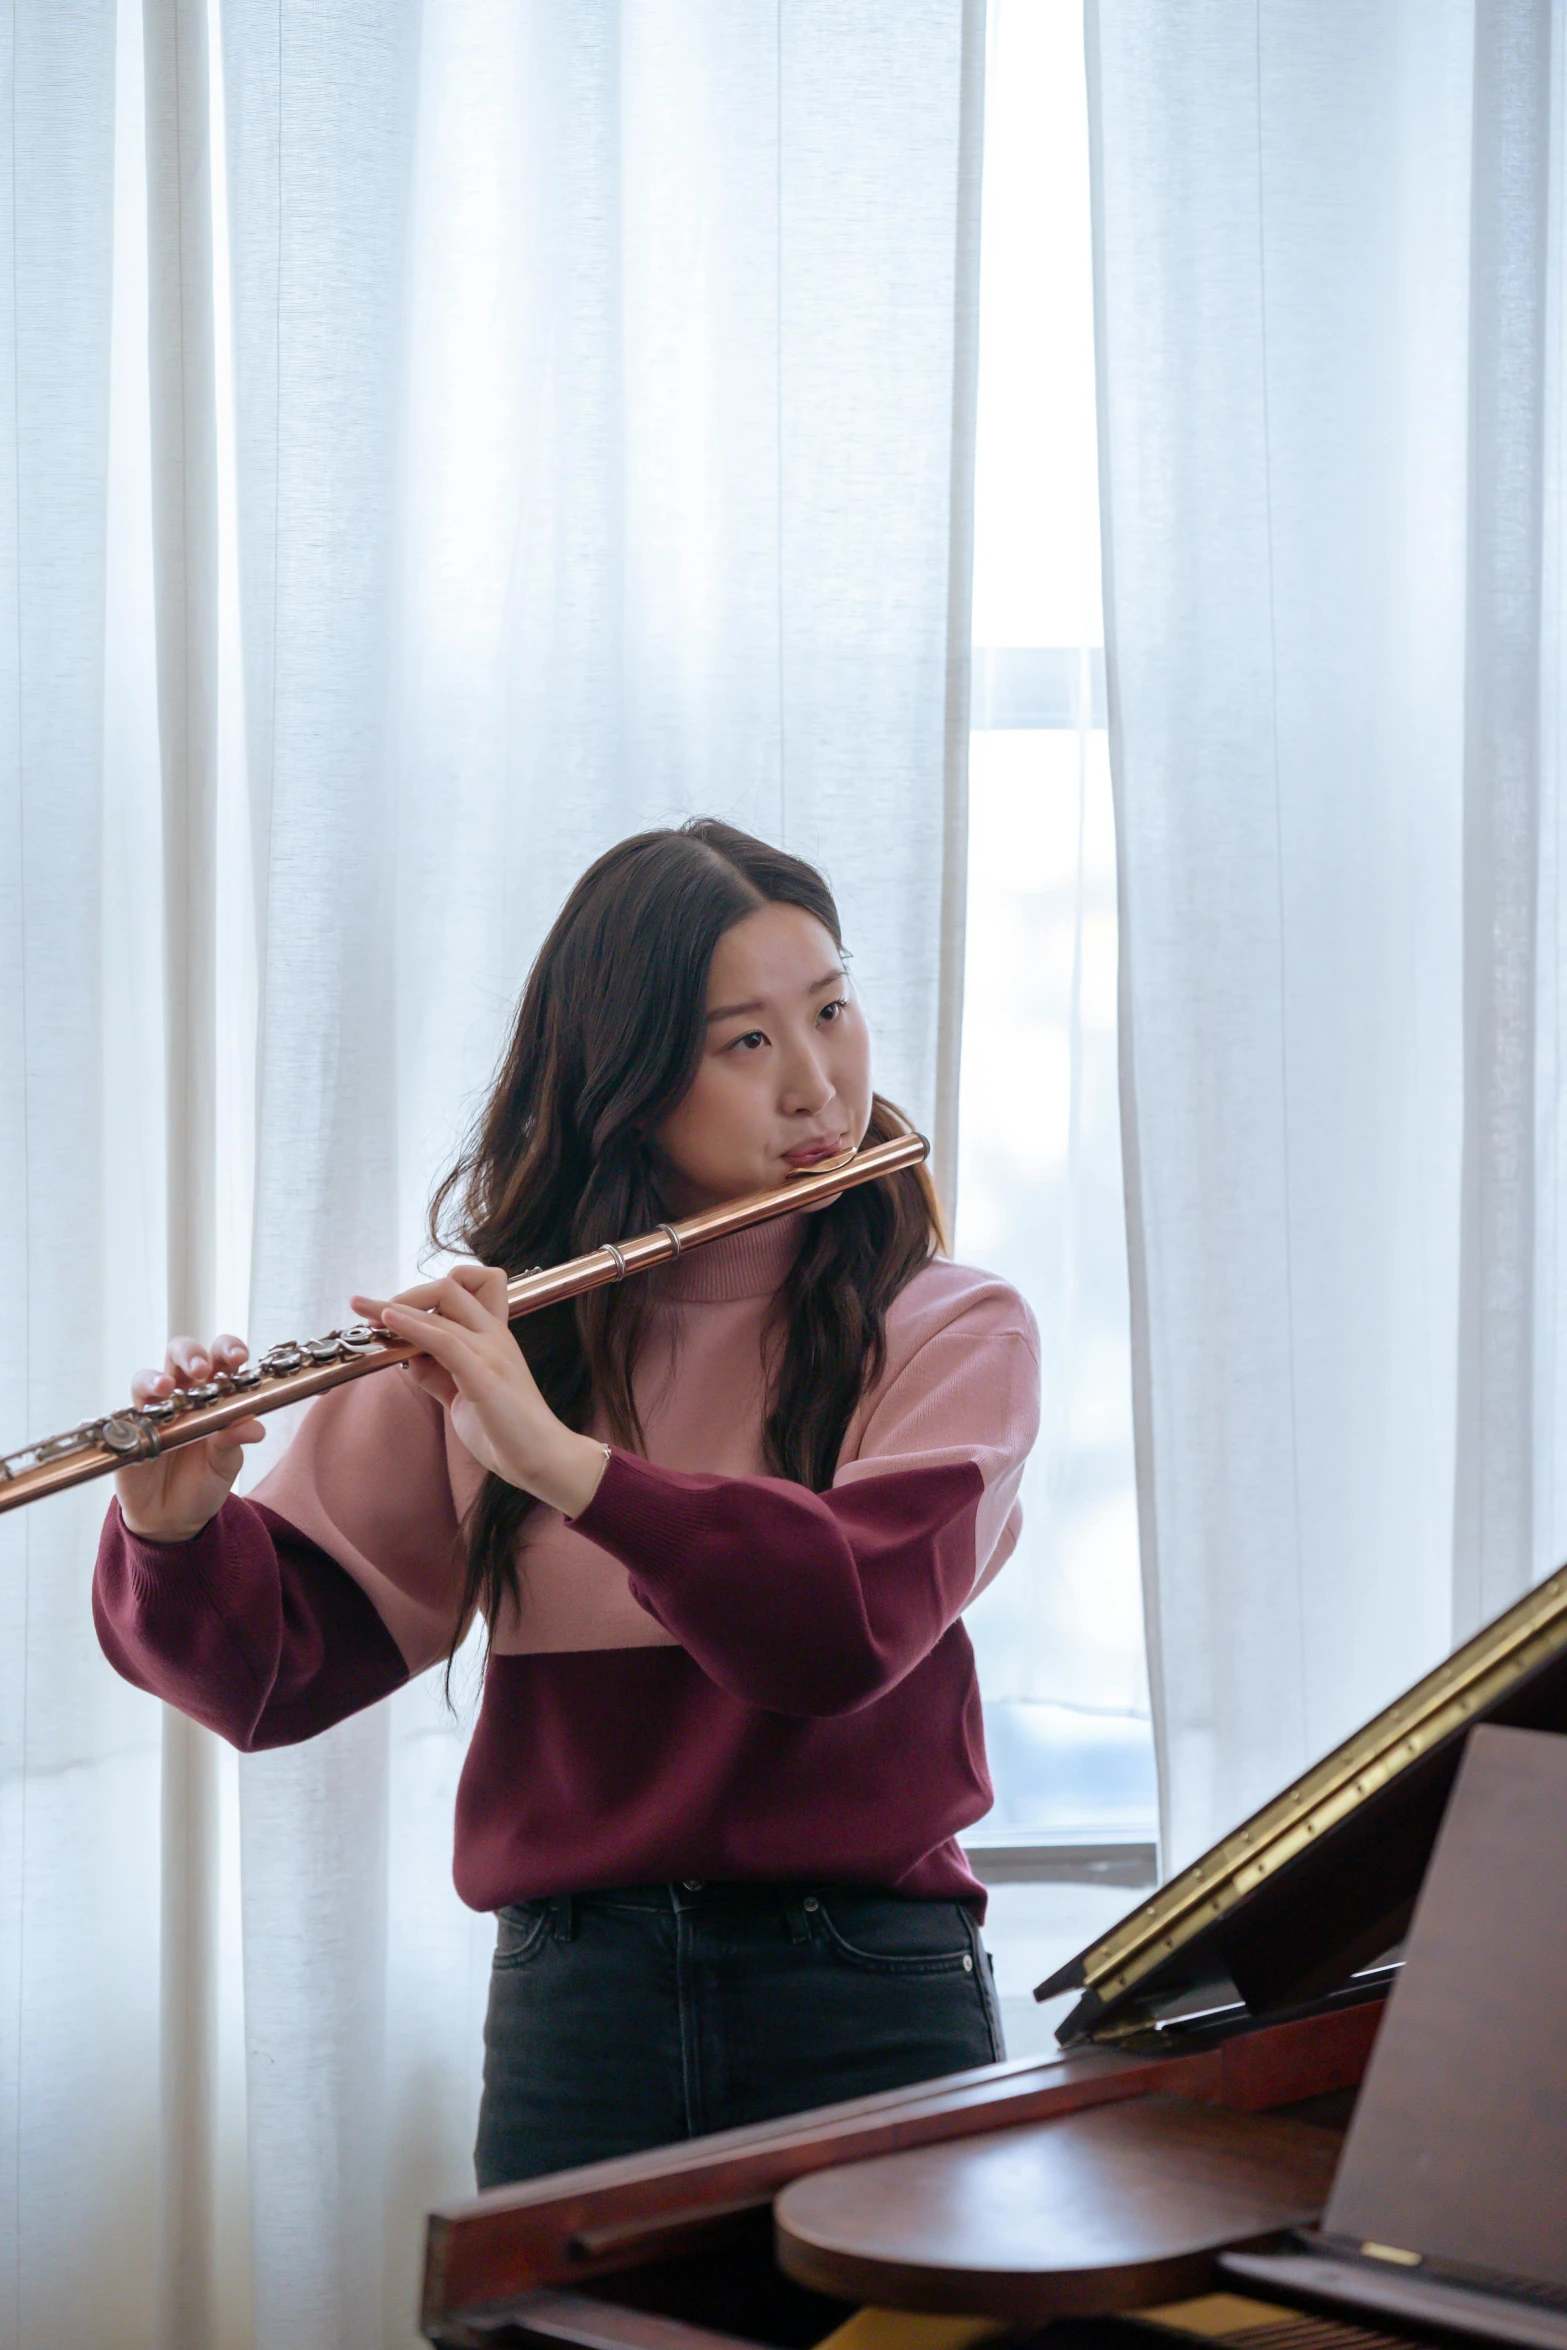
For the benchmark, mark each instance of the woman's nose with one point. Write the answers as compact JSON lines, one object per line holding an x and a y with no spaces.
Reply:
{"x":807,"y":1085}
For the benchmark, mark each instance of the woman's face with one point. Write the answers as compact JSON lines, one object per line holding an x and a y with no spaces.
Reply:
{"x":785,"y":1074}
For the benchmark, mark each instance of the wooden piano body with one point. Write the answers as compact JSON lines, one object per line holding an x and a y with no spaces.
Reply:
{"x":1210,"y":2069}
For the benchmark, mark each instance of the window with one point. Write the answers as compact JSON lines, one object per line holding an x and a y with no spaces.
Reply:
{"x":1059,"y":1634}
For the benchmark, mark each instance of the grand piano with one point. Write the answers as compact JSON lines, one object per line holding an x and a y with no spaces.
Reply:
{"x":1312,"y":2096}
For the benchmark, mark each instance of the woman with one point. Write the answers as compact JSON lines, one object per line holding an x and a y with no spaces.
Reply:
{"x":719,"y":1523}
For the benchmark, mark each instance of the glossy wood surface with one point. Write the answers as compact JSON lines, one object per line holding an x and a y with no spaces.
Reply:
{"x":612,"y":2216}
{"x":584,"y":2324}
{"x":1467,"y":2164}
{"x":1095,"y":2212}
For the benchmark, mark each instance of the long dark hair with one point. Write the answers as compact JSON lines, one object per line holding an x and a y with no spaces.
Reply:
{"x":607,"y":1039}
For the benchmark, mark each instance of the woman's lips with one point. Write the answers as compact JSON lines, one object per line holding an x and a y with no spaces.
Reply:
{"x":829,"y":1147}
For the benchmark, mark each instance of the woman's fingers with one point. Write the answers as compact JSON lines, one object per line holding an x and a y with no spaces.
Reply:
{"x":371,"y":1307}
{"x":170,"y":1498}
{"x":190,"y":1360}
{"x":424,"y":1296}
{"x":471,"y":1295}
{"x":485,"y":1282}
{"x":225,"y":1451}
{"x":460,"y":1303}
{"x":434,"y":1334}
{"x":434,"y":1378}
{"x":188,"y":1364}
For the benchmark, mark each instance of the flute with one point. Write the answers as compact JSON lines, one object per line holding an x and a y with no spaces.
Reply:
{"x":300,"y":1368}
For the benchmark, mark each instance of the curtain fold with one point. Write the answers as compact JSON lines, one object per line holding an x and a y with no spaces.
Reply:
{"x":1504,"y":1207}
{"x":1326,"y":245}
{"x":183,"y":492}
{"x":78,"y":1755}
{"x":319,"y":119}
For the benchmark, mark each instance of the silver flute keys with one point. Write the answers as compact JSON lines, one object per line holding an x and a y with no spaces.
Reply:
{"x":135,"y":1433}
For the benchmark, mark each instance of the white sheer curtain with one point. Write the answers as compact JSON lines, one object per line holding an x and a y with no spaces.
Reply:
{"x":1329,"y":252}
{"x":80,"y":1205}
{"x":591,"y":447}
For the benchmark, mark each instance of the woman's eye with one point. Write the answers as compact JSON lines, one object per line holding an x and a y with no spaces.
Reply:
{"x":834,"y":1009}
{"x":747,"y":1043}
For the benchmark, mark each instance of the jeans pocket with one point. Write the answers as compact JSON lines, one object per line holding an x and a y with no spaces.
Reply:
{"x":522,"y":1930}
{"x":889,"y":1936}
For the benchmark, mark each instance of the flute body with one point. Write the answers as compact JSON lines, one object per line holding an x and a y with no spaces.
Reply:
{"x":294,"y":1371}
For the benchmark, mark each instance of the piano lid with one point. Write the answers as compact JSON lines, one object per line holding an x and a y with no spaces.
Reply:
{"x":1320,"y":1882}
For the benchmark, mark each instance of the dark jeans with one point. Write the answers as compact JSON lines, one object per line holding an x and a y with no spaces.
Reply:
{"x":637,"y":2017}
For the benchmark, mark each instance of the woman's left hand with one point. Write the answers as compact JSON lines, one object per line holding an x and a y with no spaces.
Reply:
{"x":473,"y":1365}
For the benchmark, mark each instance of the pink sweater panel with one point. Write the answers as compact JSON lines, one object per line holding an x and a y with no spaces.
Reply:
{"x":713,"y":1673}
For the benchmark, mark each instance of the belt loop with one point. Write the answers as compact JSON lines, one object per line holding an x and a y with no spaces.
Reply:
{"x":563,"y":1910}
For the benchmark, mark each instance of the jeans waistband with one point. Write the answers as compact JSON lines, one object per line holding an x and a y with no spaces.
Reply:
{"x":683,"y":1893}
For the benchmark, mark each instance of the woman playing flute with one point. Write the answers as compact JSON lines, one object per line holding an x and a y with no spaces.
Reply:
{"x":718,"y":1524}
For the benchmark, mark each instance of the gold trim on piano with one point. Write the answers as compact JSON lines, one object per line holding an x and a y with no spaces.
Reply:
{"x":1469,"y":1682}
{"x":1214,"y":2317}
{"x":911,"y":2329}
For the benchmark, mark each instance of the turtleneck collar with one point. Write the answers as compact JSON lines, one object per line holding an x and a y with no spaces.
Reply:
{"x":753,"y":1263}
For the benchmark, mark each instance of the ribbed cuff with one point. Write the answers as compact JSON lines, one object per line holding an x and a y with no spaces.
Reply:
{"x":151,"y":1562}
{"x":630,"y":1514}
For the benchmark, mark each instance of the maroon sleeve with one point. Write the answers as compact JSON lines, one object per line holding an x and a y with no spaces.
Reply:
{"x":249,"y":1628}
{"x":801,"y":1602}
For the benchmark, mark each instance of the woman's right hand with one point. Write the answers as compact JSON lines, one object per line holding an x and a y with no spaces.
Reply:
{"x":171,"y":1498}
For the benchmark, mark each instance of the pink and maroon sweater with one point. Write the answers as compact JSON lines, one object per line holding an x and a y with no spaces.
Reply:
{"x":712,"y":1673}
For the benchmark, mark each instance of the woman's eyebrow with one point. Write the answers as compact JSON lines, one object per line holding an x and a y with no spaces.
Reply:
{"x":733,"y":1011}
